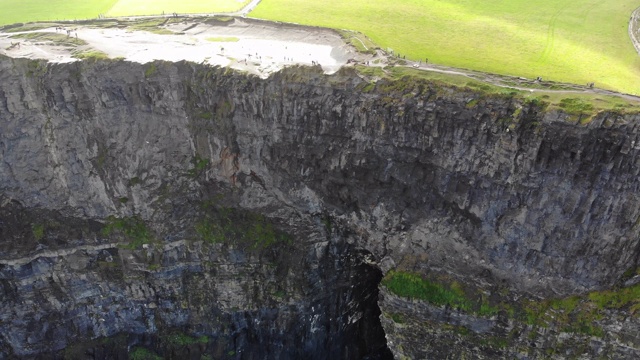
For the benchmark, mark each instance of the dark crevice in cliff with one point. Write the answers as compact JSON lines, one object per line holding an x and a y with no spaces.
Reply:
{"x":372,"y":336}
{"x":368,"y":333}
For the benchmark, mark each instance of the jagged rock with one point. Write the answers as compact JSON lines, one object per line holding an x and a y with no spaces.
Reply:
{"x":258,"y":213}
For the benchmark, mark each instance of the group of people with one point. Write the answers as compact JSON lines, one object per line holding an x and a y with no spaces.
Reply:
{"x":258,"y":57}
{"x":69,"y":31}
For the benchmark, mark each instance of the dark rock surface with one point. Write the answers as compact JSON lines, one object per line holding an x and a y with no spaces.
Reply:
{"x":190,"y":211}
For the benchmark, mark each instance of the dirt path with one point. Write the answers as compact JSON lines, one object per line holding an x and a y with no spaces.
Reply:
{"x":634,"y":29}
{"x":247,"y":9}
{"x":498,"y":80}
{"x":512,"y":82}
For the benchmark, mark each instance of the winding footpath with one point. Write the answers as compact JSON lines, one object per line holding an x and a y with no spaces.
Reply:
{"x":634,"y":29}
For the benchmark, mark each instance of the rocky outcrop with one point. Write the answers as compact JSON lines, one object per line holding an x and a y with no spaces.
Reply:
{"x":194,"y":211}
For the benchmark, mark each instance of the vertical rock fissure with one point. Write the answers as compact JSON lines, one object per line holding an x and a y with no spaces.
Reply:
{"x":371,"y":330}
{"x":368,"y":334}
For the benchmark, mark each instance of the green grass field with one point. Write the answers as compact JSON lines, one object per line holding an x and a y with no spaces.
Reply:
{"x":576,"y":41}
{"x":20,"y":11}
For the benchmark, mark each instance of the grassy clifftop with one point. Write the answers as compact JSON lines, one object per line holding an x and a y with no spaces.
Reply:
{"x":577,"y":41}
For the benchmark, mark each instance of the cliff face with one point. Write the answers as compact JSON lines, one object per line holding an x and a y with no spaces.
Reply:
{"x":190,"y":211}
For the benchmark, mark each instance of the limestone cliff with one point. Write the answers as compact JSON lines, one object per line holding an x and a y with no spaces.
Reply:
{"x":178,"y":210}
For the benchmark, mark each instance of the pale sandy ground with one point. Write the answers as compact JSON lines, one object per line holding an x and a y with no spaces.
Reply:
{"x":262,"y":47}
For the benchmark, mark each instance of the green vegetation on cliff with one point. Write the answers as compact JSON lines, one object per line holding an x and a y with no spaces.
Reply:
{"x":577,"y":41}
{"x":180,"y":339}
{"x":222,"y":224}
{"x":38,"y":231}
{"x":140,"y":353}
{"x":132,"y":229}
{"x":199,"y":165}
{"x":575,"y":314}
{"x":414,"y":286}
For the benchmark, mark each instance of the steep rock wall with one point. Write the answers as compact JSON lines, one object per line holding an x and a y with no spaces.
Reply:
{"x":346,"y":179}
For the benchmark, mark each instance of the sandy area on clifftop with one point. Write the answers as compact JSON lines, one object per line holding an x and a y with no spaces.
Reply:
{"x":254,"y":46}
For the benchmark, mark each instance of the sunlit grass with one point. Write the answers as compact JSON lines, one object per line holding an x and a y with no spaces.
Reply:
{"x":577,"y":41}
{"x":15,"y":11}
{"x":20,"y":11}
{"x":142,"y":7}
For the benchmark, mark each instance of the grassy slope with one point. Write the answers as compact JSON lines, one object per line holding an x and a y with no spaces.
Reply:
{"x":575,"y":41}
{"x":145,"y":7}
{"x":14,"y":11}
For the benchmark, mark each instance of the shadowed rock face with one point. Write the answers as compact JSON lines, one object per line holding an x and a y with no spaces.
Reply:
{"x":190,"y":211}
{"x":277,"y":302}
